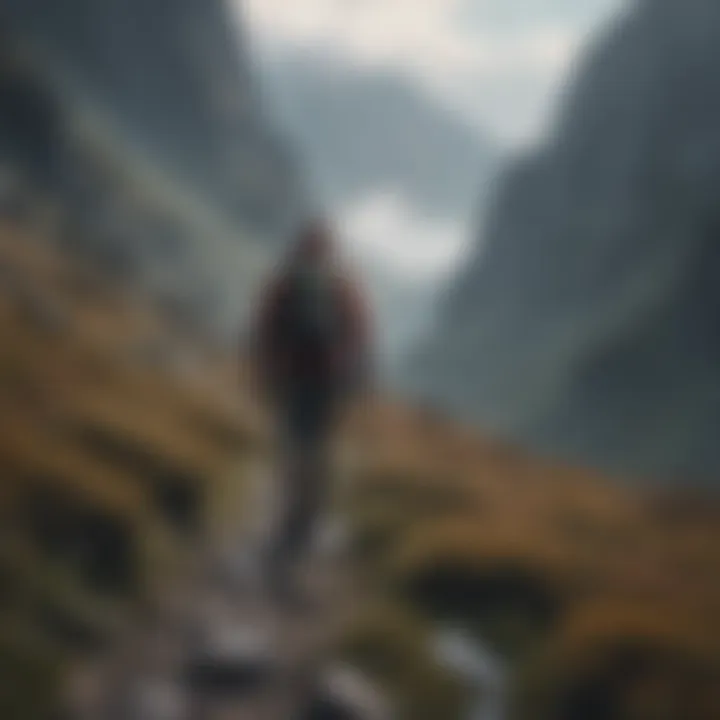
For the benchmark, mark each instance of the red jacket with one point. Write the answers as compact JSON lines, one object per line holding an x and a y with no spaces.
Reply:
{"x":280,"y":364}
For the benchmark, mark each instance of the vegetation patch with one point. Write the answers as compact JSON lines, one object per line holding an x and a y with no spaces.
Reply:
{"x":392,"y":645}
{"x":630,"y":662}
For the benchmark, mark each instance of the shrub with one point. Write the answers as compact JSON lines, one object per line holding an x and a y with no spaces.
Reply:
{"x":623,"y":663}
{"x":509,"y":591}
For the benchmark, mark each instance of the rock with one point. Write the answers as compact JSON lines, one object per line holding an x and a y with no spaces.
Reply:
{"x":345,"y":694}
{"x":230,"y":658}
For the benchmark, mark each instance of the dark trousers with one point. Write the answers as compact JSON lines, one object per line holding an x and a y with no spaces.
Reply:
{"x":306,"y":418}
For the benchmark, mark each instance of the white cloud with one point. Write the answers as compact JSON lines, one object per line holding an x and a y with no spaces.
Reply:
{"x":385,"y":228}
{"x":424,"y":35}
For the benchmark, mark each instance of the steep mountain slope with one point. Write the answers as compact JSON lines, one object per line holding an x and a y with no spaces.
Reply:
{"x":141,"y":124}
{"x":589,"y":324}
{"x":174,"y":76}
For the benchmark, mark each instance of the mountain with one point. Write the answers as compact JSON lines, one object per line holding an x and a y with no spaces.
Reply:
{"x":403,"y":309}
{"x":588,"y":324}
{"x":176,"y":77}
{"x":162,"y":150}
{"x":362,"y":130}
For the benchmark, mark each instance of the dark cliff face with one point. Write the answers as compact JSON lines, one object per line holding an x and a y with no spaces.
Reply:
{"x":589,"y":325}
{"x":173,"y":75}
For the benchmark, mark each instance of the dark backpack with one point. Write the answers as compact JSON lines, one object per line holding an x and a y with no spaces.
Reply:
{"x":311,"y":315}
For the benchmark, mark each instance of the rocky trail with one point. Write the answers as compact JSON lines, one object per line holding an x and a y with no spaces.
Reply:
{"x":216,"y":647}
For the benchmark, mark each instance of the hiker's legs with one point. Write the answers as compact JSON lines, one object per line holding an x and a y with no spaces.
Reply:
{"x":304,"y":493}
{"x":305,"y":481}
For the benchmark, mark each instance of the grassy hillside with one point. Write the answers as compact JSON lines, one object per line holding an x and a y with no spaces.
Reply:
{"x":114,"y":425}
{"x":605,"y":600}
{"x":118,"y":428}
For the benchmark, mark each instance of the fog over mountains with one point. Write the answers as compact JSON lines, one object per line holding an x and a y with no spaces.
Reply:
{"x":588,"y":326}
{"x":362,"y":130}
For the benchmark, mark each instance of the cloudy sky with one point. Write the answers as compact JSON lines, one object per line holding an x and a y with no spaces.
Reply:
{"x":494,"y":66}
{"x":498,"y":60}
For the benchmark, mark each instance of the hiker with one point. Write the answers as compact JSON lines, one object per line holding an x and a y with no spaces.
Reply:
{"x":312,"y":356}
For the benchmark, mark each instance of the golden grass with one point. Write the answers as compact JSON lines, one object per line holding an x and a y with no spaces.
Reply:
{"x":559,"y":567}
{"x":84,"y":417}
{"x":642,"y":661}
{"x":562,"y":569}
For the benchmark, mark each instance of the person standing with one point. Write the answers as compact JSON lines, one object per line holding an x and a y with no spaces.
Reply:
{"x":312,"y":356}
